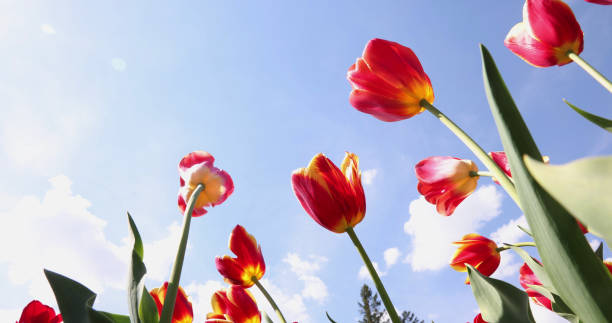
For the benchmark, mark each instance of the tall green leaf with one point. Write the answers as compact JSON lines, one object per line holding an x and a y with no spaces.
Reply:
{"x":499,"y":301}
{"x":584,"y":187}
{"x":576,"y":273}
{"x":75,"y":302}
{"x":604,"y":123}
{"x":141,"y":305}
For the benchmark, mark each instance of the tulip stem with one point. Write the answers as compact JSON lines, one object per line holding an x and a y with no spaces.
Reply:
{"x":591,"y":70}
{"x":377,"y":282}
{"x":175,"y":276}
{"x":269,"y":298}
{"x":520,"y":244}
{"x":503,"y":179}
{"x":481,"y":173}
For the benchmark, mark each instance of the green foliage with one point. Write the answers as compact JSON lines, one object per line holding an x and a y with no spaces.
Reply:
{"x":369,"y":307}
{"x":574,"y":270}
{"x":604,"y":123}
{"x":499,"y":301}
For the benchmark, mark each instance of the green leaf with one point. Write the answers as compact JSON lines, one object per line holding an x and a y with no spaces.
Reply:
{"x":574,"y":270}
{"x":535,"y":267}
{"x":599,"y":251}
{"x":75,"y":302}
{"x":329,"y":318}
{"x":525,"y":230}
{"x":499,"y":301}
{"x":604,"y":123}
{"x":267,"y":318}
{"x":583,"y":187}
{"x":141,"y":305}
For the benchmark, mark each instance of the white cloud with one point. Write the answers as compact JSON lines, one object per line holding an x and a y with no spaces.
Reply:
{"x":509,"y":265}
{"x":118,"y":64}
{"x":543,"y":315}
{"x":10,"y":315}
{"x":368,"y":176}
{"x":161,"y":253}
{"x":292,"y":305}
{"x":594,"y":243}
{"x":200,"y":294}
{"x":391,"y":256}
{"x":365,"y":274}
{"x":509,"y":232}
{"x":432,"y":234}
{"x":314,"y":287}
{"x":59,"y":233}
{"x":47,"y":29}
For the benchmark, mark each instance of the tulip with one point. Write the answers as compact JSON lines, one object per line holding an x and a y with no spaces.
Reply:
{"x":332,"y":196}
{"x":604,"y":2}
{"x":478,"y":251}
{"x":183,"y":312}
{"x":479,"y":319}
{"x":608,"y":264}
{"x":197,"y":168}
{"x":234,"y":304}
{"x":388,"y":82}
{"x":249,"y":262}
{"x":548,"y":33}
{"x":37,"y":312}
{"x":527,"y":277}
{"x":446,"y":181}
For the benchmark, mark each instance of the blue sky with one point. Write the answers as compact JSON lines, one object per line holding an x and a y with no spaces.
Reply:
{"x":100,"y":101}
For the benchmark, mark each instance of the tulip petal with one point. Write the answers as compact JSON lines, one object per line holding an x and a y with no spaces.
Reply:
{"x":551,"y":22}
{"x":534,"y":52}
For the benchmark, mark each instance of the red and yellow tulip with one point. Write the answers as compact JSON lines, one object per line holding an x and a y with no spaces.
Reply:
{"x":332,"y":196}
{"x":479,"y":252}
{"x":234,"y":304}
{"x":526,"y":278}
{"x":248,"y":263}
{"x":197,"y":168}
{"x":446,"y":181}
{"x":479,"y":319}
{"x":388,"y":82}
{"x":548,"y":32}
{"x":37,"y":312}
{"x":183,"y":312}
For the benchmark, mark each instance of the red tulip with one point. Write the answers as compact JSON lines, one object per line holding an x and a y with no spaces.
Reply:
{"x":608,"y":264}
{"x":388,"y":82}
{"x":183,"y":312}
{"x":234,"y":304}
{"x":249,"y":262}
{"x":548,"y":32}
{"x":527,"y":277}
{"x":37,"y":312}
{"x":604,"y":2}
{"x":478,"y":251}
{"x":479,"y":319}
{"x":332,"y":196}
{"x":197,"y":168}
{"x":446,"y":181}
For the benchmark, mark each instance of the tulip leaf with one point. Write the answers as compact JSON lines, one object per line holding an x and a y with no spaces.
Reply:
{"x":576,"y":273}
{"x":583,"y":187}
{"x":525,"y":230}
{"x":599,"y":251}
{"x":75,"y":302}
{"x":499,"y":301}
{"x":329,"y":318}
{"x":535,"y":267}
{"x":604,"y":123}
{"x":141,"y":304}
{"x":267,"y":318}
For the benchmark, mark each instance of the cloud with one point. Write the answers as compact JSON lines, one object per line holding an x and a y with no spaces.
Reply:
{"x":391,"y":256}
{"x":369,"y":175}
{"x":118,"y":64}
{"x":432,"y":234}
{"x":543,"y":315}
{"x":314,"y":287}
{"x":59,"y":233}
{"x":161,"y":253}
{"x":509,"y":265}
{"x":200,"y":294}
{"x":365,"y":274}
{"x":47,"y":29}
{"x":10,"y":315}
{"x":292,"y":305}
{"x":509,"y":232}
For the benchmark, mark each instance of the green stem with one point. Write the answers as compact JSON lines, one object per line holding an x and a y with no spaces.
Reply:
{"x":503,"y":179}
{"x":175,"y":276}
{"x":591,"y":70}
{"x":377,"y":282}
{"x":481,"y":173}
{"x":520,"y":244}
{"x":269,"y":298}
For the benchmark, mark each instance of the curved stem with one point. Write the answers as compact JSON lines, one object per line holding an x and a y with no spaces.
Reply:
{"x":476,"y":149}
{"x":482,"y":173}
{"x":175,"y":276}
{"x":269,"y":298}
{"x":591,"y":70}
{"x":520,"y":244}
{"x":377,"y":282}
